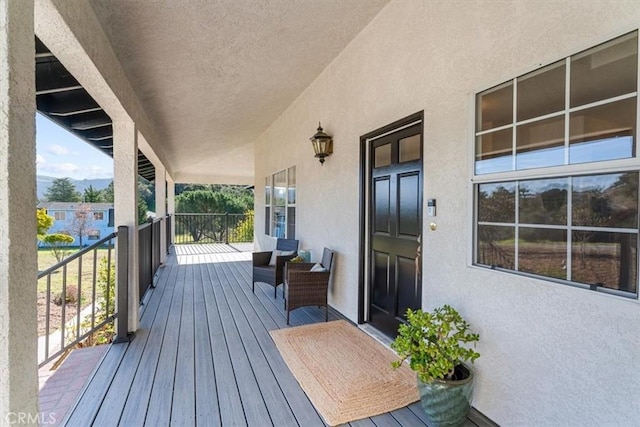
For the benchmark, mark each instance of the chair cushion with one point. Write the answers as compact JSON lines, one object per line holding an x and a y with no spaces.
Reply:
{"x":318,"y":268}
{"x":276,"y":253}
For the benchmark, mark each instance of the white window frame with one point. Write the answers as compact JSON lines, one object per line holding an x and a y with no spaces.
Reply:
{"x":270,"y":181}
{"x":566,"y":170}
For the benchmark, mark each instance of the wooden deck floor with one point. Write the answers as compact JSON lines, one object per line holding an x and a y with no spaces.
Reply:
{"x":203,"y":356}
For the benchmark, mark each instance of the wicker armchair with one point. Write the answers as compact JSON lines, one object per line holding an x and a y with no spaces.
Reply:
{"x":272,"y":274}
{"x":304,"y":288}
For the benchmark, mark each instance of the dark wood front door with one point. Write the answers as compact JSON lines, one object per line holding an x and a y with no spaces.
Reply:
{"x":395,"y":226}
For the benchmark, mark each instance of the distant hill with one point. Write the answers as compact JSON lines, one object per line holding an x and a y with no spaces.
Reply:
{"x":45,"y":181}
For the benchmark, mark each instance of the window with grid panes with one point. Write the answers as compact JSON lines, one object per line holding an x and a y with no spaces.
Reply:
{"x":280,"y":204}
{"x":556,"y":171}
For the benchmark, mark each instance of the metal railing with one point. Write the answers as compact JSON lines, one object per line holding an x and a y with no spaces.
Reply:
{"x":78,"y":298}
{"x":84,"y":293}
{"x":168,"y":235}
{"x":213,"y":228}
{"x":149,"y":258}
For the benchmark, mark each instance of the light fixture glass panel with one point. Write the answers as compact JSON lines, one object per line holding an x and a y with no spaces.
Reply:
{"x":605,"y":71}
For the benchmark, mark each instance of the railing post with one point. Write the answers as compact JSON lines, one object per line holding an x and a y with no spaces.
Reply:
{"x":122,"y":285}
{"x":226,"y":228}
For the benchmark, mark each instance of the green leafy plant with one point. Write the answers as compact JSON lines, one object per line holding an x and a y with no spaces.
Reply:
{"x":105,"y":307}
{"x":433,"y":343}
{"x":59,"y":243}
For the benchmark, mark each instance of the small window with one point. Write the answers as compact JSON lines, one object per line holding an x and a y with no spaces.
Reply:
{"x":98,"y":216}
{"x":93,"y":235}
{"x":60,"y":215}
{"x":280,"y":199}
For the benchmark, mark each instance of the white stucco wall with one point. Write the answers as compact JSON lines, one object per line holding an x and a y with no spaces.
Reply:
{"x":18,"y":259}
{"x":551,"y":354}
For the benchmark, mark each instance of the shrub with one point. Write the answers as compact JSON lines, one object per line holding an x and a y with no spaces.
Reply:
{"x":70,"y":297}
{"x":435,"y":343}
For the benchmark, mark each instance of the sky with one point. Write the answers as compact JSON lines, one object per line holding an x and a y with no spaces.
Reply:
{"x":60,"y":154}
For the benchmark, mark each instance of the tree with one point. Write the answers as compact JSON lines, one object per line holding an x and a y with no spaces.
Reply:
{"x":106,"y":195}
{"x":81,"y":223}
{"x":62,"y":190}
{"x":44,"y":222}
{"x":59,"y":244}
{"x":142,"y":211}
{"x":147,"y":192}
{"x":207,"y":202}
{"x":91,"y":195}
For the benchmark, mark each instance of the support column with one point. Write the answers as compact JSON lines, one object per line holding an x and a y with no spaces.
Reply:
{"x":171,"y":206}
{"x":125,"y":194}
{"x":18,"y":252}
{"x":161,"y":208}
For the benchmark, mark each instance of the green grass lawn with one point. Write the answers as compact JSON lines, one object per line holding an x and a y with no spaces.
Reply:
{"x":47,"y":259}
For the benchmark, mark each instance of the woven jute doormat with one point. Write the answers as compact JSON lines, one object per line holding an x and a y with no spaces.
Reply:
{"x":346,"y":374}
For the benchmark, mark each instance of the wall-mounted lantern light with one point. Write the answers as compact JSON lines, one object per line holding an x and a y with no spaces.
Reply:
{"x":322,"y":144}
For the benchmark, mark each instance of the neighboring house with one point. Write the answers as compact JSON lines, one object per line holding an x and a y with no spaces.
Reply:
{"x":101,"y":222}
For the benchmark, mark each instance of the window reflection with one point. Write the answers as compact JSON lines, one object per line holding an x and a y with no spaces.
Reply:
{"x":543,"y":251}
{"x":540,"y":144}
{"x":497,"y":202}
{"x":605,"y":259}
{"x":602,"y":133}
{"x":606,"y":200}
{"x":541,"y":92}
{"x":494,"y":107}
{"x":605,"y":71}
{"x":496,"y":246}
{"x":543,"y":201}
{"x":494,"y":152}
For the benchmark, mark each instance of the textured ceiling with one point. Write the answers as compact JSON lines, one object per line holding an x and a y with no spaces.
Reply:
{"x":213,"y":75}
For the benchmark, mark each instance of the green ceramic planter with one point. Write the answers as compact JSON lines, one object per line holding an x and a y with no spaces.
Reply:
{"x":447,"y":403}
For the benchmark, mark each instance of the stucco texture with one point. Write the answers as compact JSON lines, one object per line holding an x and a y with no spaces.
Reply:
{"x":551,"y":354}
{"x":18,"y":265}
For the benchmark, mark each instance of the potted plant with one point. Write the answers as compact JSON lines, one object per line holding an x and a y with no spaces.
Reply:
{"x":435,"y":344}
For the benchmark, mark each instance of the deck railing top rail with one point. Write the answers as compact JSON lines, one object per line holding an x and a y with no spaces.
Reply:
{"x":76,"y":255}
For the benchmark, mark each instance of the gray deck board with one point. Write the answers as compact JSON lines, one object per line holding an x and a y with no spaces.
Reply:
{"x":135,"y":410}
{"x":161,"y":399}
{"x":255,"y":410}
{"x":206,"y":392}
{"x":274,"y":400}
{"x":204,"y":357}
{"x":183,"y":411}
{"x":229,"y":403}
